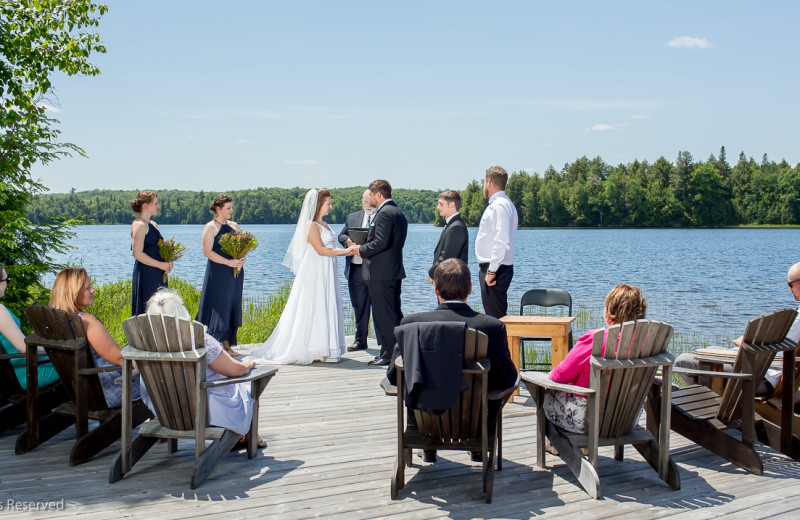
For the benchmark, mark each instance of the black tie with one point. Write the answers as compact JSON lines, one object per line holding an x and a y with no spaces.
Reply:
{"x":369,"y":220}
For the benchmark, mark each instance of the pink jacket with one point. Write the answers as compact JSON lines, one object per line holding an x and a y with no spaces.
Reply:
{"x":574,"y":370}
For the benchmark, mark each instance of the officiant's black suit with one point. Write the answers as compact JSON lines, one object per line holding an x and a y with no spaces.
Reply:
{"x":383,"y":270}
{"x":453,"y":243}
{"x":359,"y":292}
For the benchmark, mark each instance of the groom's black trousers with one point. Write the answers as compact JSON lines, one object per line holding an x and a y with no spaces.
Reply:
{"x":386,"y":313}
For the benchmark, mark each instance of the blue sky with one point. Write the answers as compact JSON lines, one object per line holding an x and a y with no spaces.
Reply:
{"x":426,"y":94}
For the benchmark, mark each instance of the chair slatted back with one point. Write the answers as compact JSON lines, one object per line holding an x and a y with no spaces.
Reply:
{"x":172,"y":385}
{"x":621,"y":390}
{"x":462,"y":421}
{"x":58,"y":330}
{"x":763,"y":338}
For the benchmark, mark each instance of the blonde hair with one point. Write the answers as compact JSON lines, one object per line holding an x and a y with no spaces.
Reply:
{"x":142,"y":198}
{"x":167,"y":302}
{"x":68,"y":285}
{"x":625,"y":303}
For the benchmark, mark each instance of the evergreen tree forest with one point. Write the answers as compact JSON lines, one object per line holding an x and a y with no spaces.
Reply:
{"x":584,"y":193}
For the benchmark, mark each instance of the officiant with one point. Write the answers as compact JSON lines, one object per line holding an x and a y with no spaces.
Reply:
{"x":357,"y":224}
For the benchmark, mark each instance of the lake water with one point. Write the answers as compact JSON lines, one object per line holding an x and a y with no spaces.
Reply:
{"x":704,"y":281}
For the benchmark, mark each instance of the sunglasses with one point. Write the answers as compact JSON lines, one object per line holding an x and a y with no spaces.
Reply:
{"x":7,"y":278}
{"x":793,"y":282}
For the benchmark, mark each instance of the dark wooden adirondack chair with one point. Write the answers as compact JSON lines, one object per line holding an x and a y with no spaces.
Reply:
{"x":13,"y":399}
{"x":465,"y":426}
{"x":707,"y":418}
{"x":773,"y":408}
{"x":170,"y":354}
{"x":64,"y":339}
{"x":619,"y":381}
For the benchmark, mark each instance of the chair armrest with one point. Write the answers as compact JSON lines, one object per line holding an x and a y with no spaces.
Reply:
{"x":12,"y":356}
{"x":710,"y":373}
{"x":257,"y":373}
{"x":478,"y":366}
{"x":541,"y":379}
{"x":98,"y":370}
{"x":496,"y":395}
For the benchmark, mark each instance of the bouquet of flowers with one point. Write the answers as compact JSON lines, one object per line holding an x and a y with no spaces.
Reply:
{"x":170,"y":250}
{"x":237,"y":245}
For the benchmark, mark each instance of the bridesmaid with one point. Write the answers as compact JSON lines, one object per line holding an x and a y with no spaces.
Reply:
{"x":221,"y":301}
{"x":148,"y":267}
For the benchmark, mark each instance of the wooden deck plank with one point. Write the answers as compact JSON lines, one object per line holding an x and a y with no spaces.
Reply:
{"x":331,"y":437}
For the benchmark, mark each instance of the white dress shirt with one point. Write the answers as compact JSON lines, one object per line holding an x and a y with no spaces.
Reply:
{"x":495,"y":241}
{"x":451,"y":217}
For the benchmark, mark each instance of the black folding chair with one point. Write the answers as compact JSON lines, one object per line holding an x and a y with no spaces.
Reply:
{"x":542,"y":298}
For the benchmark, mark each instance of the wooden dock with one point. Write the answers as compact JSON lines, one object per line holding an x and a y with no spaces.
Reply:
{"x":331,"y":437}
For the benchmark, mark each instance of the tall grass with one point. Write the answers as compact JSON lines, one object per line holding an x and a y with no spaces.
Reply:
{"x":112,"y":305}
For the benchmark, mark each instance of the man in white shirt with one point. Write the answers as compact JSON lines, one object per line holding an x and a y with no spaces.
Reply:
{"x":689,"y":360}
{"x":494,"y":245}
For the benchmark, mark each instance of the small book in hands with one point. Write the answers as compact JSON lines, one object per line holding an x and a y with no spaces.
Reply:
{"x":358,"y":235}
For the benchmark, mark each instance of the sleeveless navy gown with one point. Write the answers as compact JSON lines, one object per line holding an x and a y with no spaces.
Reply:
{"x":146,"y":279}
{"x":221,"y":301}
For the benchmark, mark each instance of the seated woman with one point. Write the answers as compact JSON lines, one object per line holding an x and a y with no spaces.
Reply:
{"x":13,"y":342}
{"x":73,"y":292}
{"x":566,"y":410}
{"x":229,"y":406}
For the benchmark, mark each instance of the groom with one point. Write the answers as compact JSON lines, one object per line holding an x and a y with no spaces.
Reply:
{"x":383,"y":265}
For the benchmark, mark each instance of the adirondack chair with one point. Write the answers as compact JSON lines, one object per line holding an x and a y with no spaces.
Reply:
{"x":13,"y":399}
{"x":773,"y":407}
{"x":620,"y":379}
{"x":465,"y":426}
{"x":64,"y":339}
{"x":170,"y":354}
{"x":705,"y":417}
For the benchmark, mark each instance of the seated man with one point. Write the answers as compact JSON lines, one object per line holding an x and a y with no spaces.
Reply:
{"x":452,"y":282}
{"x":765,"y":387}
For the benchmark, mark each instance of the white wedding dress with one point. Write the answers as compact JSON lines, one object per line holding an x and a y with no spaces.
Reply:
{"x":311,"y":326}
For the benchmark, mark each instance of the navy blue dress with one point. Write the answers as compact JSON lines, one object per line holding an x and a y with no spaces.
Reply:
{"x":146,"y":279}
{"x":221,"y":302}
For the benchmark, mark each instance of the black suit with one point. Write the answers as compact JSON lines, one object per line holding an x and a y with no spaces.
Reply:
{"x":359,"y":292}
{"x":383,"y":270}
{"x":453,"y":243}
{"x":502,"y":373}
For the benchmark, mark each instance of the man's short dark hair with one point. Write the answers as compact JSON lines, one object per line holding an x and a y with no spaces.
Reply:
{"x":381,"y":186}
{"x":498,"y":176}
{"x":452,"y":279}
{"x":451,"y":196}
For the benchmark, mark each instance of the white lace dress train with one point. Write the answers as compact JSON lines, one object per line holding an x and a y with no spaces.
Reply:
{"x":311,"y":326}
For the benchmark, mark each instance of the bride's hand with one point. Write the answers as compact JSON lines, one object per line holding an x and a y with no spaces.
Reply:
{"x":352,"y":250}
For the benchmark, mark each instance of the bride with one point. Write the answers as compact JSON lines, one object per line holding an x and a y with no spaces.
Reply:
{"x":311,"y":326}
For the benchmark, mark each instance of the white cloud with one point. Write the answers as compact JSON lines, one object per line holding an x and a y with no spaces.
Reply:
{"x":641,"y":116}
{"x":243,"y":141}
{"x":302,"y":161}
{"x":547,"y":145}
{"x":47,"y":107}
{"x":587,"y":104}
{"x":601,"y":126}
{"x":690,"y":42}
